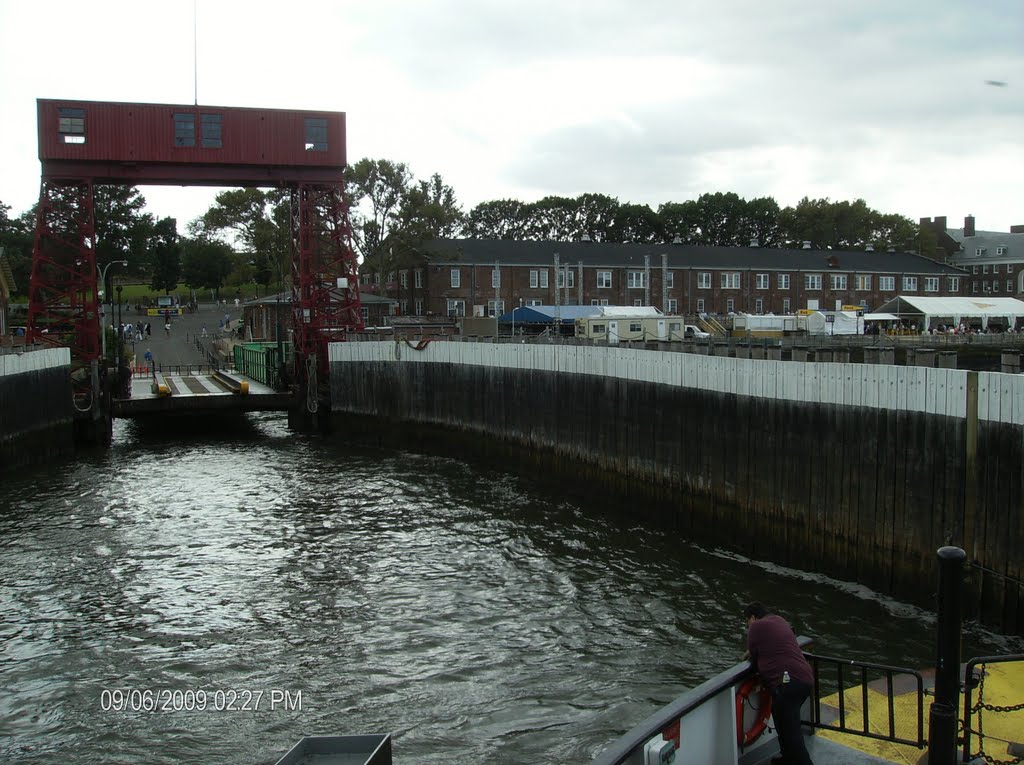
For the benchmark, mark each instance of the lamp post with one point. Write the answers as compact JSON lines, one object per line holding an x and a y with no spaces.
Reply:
{"x":103,"y":281}
{"x":118,"y":338}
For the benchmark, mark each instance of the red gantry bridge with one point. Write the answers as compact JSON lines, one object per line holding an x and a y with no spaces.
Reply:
{"x":85,"y":143}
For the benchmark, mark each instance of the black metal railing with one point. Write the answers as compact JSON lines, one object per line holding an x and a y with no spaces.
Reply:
{"x":839,"y":676}
{"x":974,"y":680}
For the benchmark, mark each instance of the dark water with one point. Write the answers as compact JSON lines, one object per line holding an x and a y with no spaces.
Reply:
{"x":473,"y":616}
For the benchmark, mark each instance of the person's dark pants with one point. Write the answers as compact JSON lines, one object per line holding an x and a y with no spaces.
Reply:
{"x":787,"y":699}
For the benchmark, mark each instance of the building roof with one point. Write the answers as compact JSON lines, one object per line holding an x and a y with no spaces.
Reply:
{"x":953,"y":306}
{"x":613,"y":255}
{"x":545,"y":314}
{"x":988,"y":241}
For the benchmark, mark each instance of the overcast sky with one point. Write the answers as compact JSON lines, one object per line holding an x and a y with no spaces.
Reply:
{"x":648,"y":101}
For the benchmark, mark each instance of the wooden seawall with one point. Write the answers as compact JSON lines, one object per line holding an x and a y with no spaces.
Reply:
{"x":858,"y":471}
{"x":36,"y":410}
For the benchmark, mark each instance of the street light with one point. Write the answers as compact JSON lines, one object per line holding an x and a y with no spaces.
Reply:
{"x":103,"y":281}
{"x":119,"y":339}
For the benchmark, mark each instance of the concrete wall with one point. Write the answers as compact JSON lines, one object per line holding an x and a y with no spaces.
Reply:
{"x":36,"y":409}
{"x":857,"y":471}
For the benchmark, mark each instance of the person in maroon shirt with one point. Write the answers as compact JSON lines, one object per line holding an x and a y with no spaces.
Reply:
{"x":772,"y":648}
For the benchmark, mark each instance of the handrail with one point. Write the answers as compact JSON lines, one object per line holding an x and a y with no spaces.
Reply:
{"x":864,"y":667}
{"x":969,"y":687}
{"x":620,"y":750}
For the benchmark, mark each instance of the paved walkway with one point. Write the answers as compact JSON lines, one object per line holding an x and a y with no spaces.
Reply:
{"x":176,"y":347}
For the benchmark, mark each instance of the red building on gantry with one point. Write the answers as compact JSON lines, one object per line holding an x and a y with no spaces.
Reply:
{"x":84,"y":143}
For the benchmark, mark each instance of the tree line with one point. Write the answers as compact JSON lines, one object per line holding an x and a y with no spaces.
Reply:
{"x":244,"y":236}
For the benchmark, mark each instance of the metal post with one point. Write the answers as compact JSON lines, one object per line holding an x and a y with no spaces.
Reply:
{"x":110,"y":293}
{"x":943,"y":712}
{"x":117,"y":334}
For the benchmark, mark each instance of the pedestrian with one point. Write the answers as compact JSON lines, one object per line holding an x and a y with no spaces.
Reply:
{"x":149,"y":359}
{"x":772,"y":648}
{"x":149,"y":329}
{"x":167,"y":328}
{"x":204,"y":330}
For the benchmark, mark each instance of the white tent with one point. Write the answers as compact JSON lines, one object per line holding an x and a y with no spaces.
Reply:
{"x":926,"y":311}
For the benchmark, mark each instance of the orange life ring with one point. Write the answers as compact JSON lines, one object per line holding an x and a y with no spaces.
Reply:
{"x":763,"y":709}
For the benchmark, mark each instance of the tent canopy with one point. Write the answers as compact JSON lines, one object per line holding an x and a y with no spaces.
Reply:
{"x":955,"y":308}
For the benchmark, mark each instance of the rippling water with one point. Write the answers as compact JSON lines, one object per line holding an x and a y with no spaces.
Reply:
{"x":473,"y":616}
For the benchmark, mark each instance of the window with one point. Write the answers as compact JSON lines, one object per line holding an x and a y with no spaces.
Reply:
{"x":979,"y":251}
{"x":604,"y":280}
{"x":730,"y":280}
{"x":730,"y":305}
{"x":638,"y":301}
{"x":812,"y":281}
{"x":1009,"y":285}
{"x":954,"y":283}
{"x":543,"y":281}
{"x":404,"y":307}
{"x":418,"y":278}
{"x":419,"y":306}
{"x":673,"y":305}
{"x":974,"y":287}
{"x":761,"y":282}
{"x":984,"y":268}
{"x":700,"y":303}
{"x":670,"y":279}
{"x":599,"y":329}
{"x":887,"y":283}
{"x":783,"y":281}
{"x":534,"y":281}
{"x":456,"y":282}
{"x":931,"y":284}
{"x":316,"y":134}
{"x":364,"y":313}
{"x":71,"y":125}
{"x":534,"y":301}
{"x":456,"y":307}
{"x":566,"y":278}
{"x":210,"y":125}
{"x":184,"y":130}
{"x":1001,"y":250}
{"x":910,"y":284}
{"x":759,"y":305}
{"x":995,"y":285}
{"x":495,"y":307}
{"x":495,"y":278}
{"x":838,"y":281}
{"x":376,"y":278}
{"x":403,"y":279}
{"x":703,"y":280}
{"x":785,"y":305}
{"x":864,"y":282}
{"x":636,"y":280}
{"x":391,"y":278}
{"x":974,"y":269}
{"x":635,"y":326}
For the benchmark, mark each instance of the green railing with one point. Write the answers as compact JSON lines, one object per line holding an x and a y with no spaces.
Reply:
{"x":262,"y":362}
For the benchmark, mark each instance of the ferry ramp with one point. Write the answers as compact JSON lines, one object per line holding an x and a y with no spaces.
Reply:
{"x":196,"y":389}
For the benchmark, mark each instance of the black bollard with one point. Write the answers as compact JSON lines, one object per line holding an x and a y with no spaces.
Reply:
{"x":942,"y":716}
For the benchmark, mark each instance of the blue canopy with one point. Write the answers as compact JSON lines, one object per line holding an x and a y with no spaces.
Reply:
{"x":545,"y":314}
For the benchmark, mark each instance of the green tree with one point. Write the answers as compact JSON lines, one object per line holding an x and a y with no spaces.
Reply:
{"x":377,"y":189}
{"x":16,"y":236}
{"x":501,"y":219}
{"x":555,"y":219}
{"x":122,"y":228}
{"x":680,"y":219}
{"x":636,"y":223}
{"x":206,"y":263}
{"x":165,"y":255}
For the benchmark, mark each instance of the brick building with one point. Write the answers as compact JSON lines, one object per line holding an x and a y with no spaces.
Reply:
{"x":993,"y":261}
{"x":466,"y":277}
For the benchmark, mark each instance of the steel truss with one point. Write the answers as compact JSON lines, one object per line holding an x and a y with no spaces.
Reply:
{"x":325,"y":284}
{"x":63,"y":306}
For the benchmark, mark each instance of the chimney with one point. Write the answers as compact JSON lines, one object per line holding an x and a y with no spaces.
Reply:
{"x":969,"y":226}
{"x":940,"y":223}
{"x":754,"y":242}
{"x":869,"y":248}
{"x":807,"y":245}
{"x":586,"y":238}
{"x":677,"y":239}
